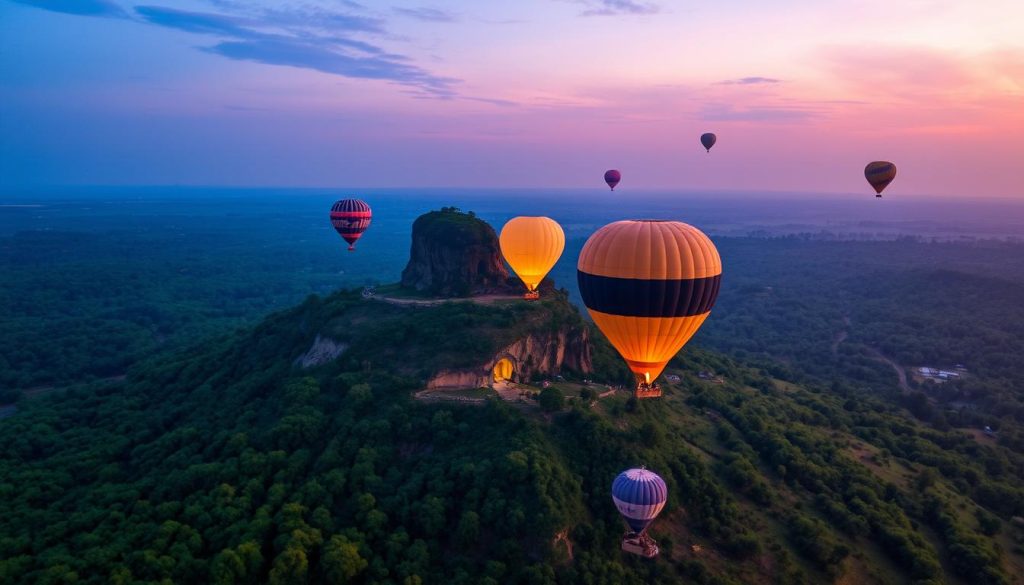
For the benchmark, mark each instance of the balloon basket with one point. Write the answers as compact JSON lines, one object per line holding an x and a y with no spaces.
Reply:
{"x":647,"y":391}
{"x":640,"y":544}
{"x":532,"y":295}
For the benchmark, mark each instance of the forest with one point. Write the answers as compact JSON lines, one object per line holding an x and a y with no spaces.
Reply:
{"x":223,"y":461}
{"x":183,"y":444}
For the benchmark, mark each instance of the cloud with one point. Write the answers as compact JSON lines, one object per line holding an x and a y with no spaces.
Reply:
{"x":722,"y":112}
{"x":614,"y":7}
{"x":750,"y":81}
{"x":911,"y":72}
{"x":426,"y":14}
{"x":284,"y":51}
{"x":307,"y":39}
{"x":195,"y":22}
{"x":80,"y":7}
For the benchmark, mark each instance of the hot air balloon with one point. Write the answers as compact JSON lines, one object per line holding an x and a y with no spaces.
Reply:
{"x":880,"y":173}
{"x":350,"y":218}
{"x":639,"y":495}
{"x":612,"y":177}
{"x":708,"y":140}
{"x":648,"y":285}
{"x":531,"y":245}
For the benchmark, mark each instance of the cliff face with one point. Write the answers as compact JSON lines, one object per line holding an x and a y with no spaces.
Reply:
{"x":539,"y":354}
{"x":455,"y":254}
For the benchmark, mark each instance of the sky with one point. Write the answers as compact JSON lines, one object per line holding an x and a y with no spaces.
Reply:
{"x":533,"y":93}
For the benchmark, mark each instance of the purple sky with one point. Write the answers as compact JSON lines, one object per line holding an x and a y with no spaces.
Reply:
{"x":537,"y":93}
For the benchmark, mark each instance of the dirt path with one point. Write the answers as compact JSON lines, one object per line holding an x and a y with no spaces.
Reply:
{"x":901,"y":373}
{"x":840,"y":337}
{"x":481,"y":300}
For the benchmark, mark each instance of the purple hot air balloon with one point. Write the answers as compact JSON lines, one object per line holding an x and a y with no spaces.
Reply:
{"x":708,"y":140}
{"x":612,"y":177}
{"x":639,"y":495}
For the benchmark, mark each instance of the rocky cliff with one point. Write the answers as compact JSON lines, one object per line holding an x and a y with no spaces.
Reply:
{"x":455,"y":254}
{"x":536,"y":355}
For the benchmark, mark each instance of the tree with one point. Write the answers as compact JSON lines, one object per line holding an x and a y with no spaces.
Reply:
{"x":341,"y":560}
{"x":468,"y":530}
{"x":551,"y":399}
{"x":290,"y":568}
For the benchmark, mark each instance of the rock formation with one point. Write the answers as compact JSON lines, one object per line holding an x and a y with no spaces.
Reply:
{"x":323,"y":350}
{"x":455,"y":254}
{"x":539,"y":354}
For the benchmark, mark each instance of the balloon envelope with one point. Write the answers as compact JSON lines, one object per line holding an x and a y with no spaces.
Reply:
{"x":649,"y":285}
{"x":708,"y":140}
{"x":880,"y":173}
{"x":612,"y":177}
{"x":639,"y":495}
{"x":531,"y":246}
{"x":350,"y":218}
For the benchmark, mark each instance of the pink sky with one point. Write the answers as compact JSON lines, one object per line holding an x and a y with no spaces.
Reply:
{"x":548,"y":93}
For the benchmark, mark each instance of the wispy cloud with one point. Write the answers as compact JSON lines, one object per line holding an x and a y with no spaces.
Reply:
{"x":426,"y":14}
{"x":308,"y":39}
{"x":305,"y":36}
{"x":194,"y":22}
{"x":750,"y":81}
{"x":723,"y":112}
{"x":614,"y":7}
{"x":284,"y":51}
{"x":80,"y":7}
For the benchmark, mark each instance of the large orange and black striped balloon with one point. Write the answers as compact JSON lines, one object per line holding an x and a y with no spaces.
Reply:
{"x":880,"y":173}
{"x":649,"y":285}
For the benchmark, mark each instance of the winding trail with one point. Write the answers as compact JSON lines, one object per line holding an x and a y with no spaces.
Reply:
{"x":901,"y":373}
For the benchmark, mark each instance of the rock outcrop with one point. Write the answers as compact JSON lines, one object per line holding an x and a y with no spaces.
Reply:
{"x":455,"y":254}
{"x":323,"y":350}
{"x":540,"y":354}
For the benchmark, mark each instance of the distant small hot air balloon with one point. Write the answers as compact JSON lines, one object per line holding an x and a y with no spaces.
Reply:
{"x":880,"y":173}
{"x":648,"y":285}
{"x":531,"y":246}
{"x":612,"y":177}
{"x":639,"y":495}
{"x":350,"y":218}
{"x":708,"y":140}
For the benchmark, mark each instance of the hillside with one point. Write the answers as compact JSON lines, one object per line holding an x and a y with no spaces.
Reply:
{"x":232,"y":463}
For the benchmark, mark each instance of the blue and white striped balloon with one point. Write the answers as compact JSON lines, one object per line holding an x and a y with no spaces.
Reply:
{"x":639,"y":495}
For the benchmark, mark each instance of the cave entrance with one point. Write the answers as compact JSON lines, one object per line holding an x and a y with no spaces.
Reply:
{"x":503,"y":370}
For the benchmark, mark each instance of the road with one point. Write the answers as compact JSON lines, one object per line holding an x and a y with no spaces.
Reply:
{"x":900,"y":372}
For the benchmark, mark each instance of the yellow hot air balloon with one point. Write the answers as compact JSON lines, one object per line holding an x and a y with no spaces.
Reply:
{"x":649,"y":285}
{"x":531,"y":245}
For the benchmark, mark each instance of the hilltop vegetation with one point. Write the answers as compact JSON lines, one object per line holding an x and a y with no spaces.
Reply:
{"x":826,"y":309}
{"x":227,"y":463}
